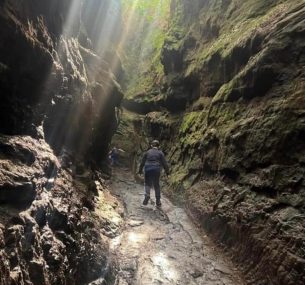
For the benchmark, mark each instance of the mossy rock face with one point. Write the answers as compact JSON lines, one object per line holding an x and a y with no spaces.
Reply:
{"x":242,"y":83}
{"x":232,"y":124}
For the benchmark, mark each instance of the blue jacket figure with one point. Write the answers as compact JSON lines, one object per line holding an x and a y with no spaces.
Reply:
{"x":113,"y":156}
{"x":153,"y":161}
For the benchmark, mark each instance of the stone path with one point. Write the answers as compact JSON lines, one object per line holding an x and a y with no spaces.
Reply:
{"x":163,"y":246}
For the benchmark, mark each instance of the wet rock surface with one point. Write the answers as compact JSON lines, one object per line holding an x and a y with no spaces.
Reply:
{"x":56,"y":231}
{"x":162,"y":246}
{"x":26,"y":166}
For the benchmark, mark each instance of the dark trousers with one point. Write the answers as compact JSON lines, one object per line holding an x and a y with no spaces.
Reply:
{"x":152,"y":180}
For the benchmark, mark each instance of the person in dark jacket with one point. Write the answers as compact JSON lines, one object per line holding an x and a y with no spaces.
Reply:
{"x":153,"y":161}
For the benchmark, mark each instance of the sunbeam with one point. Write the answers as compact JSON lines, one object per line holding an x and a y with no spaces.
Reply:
{"x":84,"y":63}
{"x":81,"y":86}
{"x":142,"y":39}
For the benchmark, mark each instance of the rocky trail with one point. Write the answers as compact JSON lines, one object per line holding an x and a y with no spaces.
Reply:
{"x":162,"y":246}
{"x":219,"y":83}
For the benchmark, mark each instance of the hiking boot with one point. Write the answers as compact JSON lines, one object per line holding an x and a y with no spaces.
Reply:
{"x":158,"y":203}
{"x":146,"y":199}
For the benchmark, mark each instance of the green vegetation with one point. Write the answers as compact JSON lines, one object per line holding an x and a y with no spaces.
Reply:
{"x":192,"y":127}
{"x":189,"y":122}
{"x":146,"y":23}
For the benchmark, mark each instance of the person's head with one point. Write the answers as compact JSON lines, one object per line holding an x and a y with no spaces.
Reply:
{"x":155,"y":143}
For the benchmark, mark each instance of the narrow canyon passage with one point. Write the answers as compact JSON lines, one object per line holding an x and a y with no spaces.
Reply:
{"x":162,"y":246}
{"x":89,"y":84}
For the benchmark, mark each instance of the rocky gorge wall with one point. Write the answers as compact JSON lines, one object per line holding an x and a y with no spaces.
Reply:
{"x":54,"y":218}
{"x":54,"y":76}
{"x":59,"y":96}
{"x":231,"y":117}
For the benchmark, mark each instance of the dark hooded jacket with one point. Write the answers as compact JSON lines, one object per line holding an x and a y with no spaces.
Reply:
{"x":154,"y":159}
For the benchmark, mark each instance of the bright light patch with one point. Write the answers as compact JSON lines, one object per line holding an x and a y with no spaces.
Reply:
{"x":161,"y":260}
{"x":136,"y":238}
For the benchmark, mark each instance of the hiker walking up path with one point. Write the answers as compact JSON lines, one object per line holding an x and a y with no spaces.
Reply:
{"x":162,"y":246}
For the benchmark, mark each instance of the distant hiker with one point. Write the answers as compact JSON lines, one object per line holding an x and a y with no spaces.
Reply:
{"x":153,"y":161}
{"x":114,"y":155}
